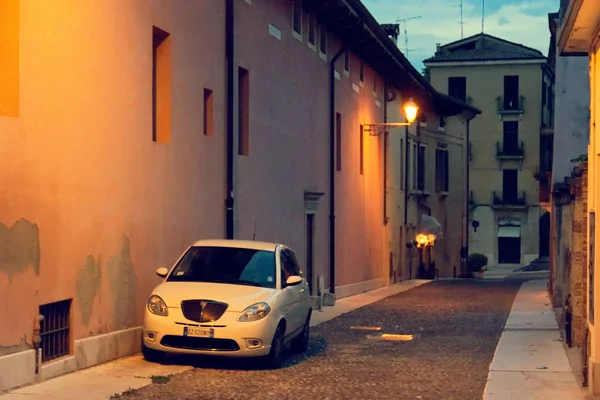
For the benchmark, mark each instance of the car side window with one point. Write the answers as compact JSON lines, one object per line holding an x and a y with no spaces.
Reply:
{"x":294,"y":261}
{"x":286,"y":268}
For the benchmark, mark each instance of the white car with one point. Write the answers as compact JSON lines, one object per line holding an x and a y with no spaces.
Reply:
{"x":230,"y":298}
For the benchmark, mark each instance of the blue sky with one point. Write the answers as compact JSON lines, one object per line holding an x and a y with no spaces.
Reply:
{"x":520,"y":21}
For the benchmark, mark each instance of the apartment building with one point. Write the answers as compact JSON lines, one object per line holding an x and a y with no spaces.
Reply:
{"x":578,"y":36}
{"x":508,"y":177}
{"x":166,"y":122}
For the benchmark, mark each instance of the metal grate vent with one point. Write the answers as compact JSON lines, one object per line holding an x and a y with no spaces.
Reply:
{"x":55,"y":330}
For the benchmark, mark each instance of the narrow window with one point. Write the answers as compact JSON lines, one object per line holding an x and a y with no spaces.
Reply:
{"x":362,"y":150}
{"x":346,"y":62}
{"x":375,"y":84}
{"x":362,"y":71}
{"x":312,"y":29}
{"x":457,"y":87}
{"x":338,"y":141}
{"x":161,"y":86}
{"x":243,"y":112}
{"x":402,"y":183}
{"x":9,"y":58}
{"x":323,"y":39}
{"x":297,"y":16}
{"x":208,"y":112}
{"x":441,"y":170}
{"x":55,"y":330}
{"x":446,"y":183}
{"x":422,"y":168}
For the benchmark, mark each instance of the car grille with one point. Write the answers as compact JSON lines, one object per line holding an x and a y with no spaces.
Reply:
{"x":194,"y":343}
{"x":203,"y":310}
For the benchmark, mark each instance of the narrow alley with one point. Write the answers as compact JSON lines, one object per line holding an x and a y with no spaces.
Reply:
{"x":455,"y":327}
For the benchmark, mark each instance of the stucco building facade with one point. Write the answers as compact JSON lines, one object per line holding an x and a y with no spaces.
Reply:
{"x":167,"y":122}
{"x":578,"y":36}
{"x":509,"y":196}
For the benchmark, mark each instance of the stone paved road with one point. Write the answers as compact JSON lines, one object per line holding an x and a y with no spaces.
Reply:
{"x":455,"y":324}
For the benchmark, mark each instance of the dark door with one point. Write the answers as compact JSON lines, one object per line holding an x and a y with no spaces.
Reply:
{"x":545,"y":235}
{"x":310,"y":229}
{"x":511,"y":137}
{"x":509,"y":250}
{"x":511,"y":92}
{"x":509,"y":186}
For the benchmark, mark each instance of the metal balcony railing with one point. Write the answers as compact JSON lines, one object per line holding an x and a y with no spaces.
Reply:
{"x":509,"y":199}
{"x":502,"y":150}
{"x":510,"y":105}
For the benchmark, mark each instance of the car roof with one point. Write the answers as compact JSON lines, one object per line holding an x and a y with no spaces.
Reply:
{"x":238,"y":244}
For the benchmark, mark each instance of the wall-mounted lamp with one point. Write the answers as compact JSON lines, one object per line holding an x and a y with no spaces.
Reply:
{"x":410,"y":113}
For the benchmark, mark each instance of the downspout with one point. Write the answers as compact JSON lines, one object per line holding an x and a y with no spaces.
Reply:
{"x":332,"y":169}
{"x":406,"y":183}
{"x":229,"y":54}
{"x":468,"y":193}
{"x":385,"y":155}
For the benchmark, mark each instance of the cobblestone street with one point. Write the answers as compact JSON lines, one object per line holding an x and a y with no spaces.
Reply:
{"x":455,"y":326}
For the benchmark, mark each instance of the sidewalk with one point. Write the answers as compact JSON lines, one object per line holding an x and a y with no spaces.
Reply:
{"x":530,"y":361}
{"x":103,"y":381}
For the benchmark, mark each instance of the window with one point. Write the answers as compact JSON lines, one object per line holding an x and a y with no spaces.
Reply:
{"x":346,"y":62}
{"x":55,"y":330}
{"x":510,"y":137}
{"x":362,"y":71}
{"x":297,"y":16}
{"x":323,"y":39}
{"x":457,"y":87}
{"x":544,"y":95}
{"x":510,"y":185}
{"x":402,"y":157}
{"x":442,"y":170}
{"x":362,"y":150}
{"x":208,"y":112}
{"x":243,"y":112}
{"x":422,"y":168}
{"x":9,"y":58}
{"x":312,"y":29}
{"x":511,"y":92}
{"x":374,"y":84}
{"x":161,"y":86}
{"x":442,"y":122}
{"x":338,"y":141}
{"x":414,"y":166}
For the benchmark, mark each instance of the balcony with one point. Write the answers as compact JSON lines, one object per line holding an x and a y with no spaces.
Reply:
{"x":510,"y":105}
{"x":511,"y":151}
{"x":509,"y":200}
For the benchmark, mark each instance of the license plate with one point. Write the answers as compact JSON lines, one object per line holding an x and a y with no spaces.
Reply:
{"x":198,"y":332}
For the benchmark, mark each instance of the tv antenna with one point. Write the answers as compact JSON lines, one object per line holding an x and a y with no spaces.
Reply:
{"x":461,"y":16}
{"x":399,"y":21}
{"x":482,"y":14}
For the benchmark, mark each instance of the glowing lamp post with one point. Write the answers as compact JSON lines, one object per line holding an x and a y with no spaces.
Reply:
{"x":410,"y":114}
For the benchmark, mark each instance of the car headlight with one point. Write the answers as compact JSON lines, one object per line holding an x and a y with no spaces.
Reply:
{"x":255,"y":312}
{"x":157,"y":306}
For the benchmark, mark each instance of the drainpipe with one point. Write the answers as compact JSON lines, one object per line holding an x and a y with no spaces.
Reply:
{"x":332,"y":169}
{"x":385,"y":155}
{"x":229,"y":54}
{"x":406,"y":166}
{"x":468,"y":193}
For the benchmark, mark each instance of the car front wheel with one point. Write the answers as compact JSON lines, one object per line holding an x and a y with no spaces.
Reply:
{"x":300,"y":343}
{"x":275,"y":357}
{"x":152,"y":355}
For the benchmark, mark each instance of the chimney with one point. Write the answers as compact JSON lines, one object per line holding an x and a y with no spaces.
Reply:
{"x":392,"y":30}
{"x":438,"y":46}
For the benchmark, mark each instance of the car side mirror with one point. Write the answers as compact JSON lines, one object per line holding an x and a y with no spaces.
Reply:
{"x":293,"y":280}
{"x":162,"y":272}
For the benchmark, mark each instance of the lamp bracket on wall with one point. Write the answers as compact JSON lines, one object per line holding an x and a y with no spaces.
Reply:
{"x":378,"y":129}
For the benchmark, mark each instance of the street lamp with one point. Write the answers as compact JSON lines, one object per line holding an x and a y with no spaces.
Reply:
{"x":410,"y":113}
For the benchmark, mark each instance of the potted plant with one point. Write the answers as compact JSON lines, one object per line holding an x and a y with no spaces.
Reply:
{"x":477,"y":264}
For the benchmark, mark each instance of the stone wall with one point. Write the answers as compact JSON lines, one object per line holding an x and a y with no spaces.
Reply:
{"x":578,"y":254}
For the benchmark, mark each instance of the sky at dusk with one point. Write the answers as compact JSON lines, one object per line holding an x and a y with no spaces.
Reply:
{"x":520,"y":21}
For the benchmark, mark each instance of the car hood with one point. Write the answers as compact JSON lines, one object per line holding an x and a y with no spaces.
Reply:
{"x":237,"y":296}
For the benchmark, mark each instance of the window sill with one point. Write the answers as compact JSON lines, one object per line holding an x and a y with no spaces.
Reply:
{"x":443,"y":193}
{"x":297,"y":35}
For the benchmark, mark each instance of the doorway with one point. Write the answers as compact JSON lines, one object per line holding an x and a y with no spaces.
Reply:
{"x":310,"y":252}
{"x":509,"y":242}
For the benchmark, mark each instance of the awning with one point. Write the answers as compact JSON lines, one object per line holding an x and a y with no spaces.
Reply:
{"x":509,"y":231}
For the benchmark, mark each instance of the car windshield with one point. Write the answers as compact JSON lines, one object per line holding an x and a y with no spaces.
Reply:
{"x":226,"y":265}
